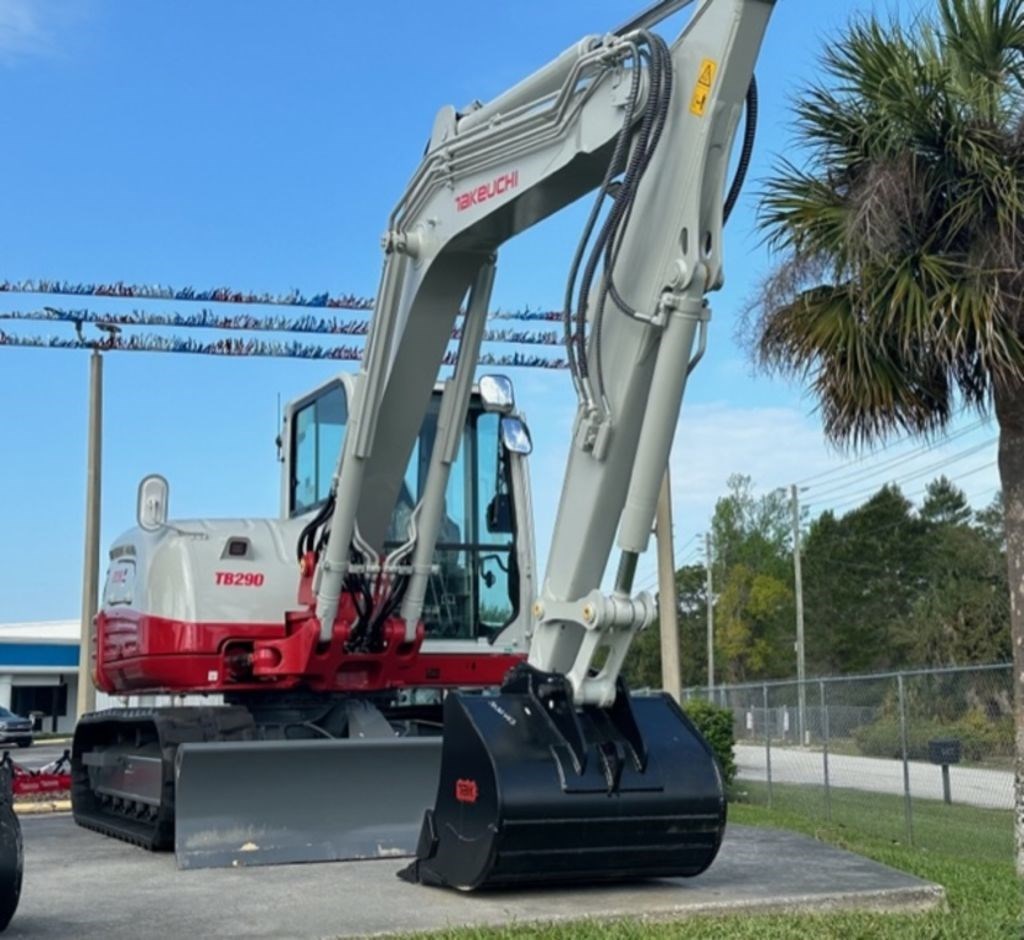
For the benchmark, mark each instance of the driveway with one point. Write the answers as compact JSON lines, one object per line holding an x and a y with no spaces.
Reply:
{"x":991,"y":789}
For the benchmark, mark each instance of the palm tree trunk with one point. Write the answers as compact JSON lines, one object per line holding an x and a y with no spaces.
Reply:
{"x":1009,"y":402}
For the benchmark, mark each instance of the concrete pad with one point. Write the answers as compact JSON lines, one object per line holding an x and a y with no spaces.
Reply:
{"x":78,"y":883}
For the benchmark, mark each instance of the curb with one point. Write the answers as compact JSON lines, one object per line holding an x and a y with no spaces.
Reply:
{"x":39,"y":808}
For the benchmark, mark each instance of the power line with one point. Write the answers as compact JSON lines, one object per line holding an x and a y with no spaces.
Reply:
{"x":906,"y":478}
{"x":923,"y":490}
{"x":896,"y":461}
{"x":874,"y":453}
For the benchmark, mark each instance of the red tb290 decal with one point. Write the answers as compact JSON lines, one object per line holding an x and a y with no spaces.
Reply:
{"x":240,"y":578}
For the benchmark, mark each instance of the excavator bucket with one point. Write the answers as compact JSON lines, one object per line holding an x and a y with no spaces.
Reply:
{"x":533,"y":790}
{"x":276,"y":802}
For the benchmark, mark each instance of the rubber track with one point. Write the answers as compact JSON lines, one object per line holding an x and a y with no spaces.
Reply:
{"x":170,"y":727}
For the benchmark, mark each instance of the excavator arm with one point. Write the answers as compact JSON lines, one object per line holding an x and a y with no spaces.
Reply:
{"x":649,"y":126}
{"x":563,"y":775}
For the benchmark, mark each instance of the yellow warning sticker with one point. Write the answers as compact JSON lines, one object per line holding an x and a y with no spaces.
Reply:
{"x":702,"y":90}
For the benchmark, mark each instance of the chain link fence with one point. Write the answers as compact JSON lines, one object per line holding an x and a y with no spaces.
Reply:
{"x":923,"y":757}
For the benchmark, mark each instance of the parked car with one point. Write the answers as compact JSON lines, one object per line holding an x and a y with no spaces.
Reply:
{"x":14,"y":729}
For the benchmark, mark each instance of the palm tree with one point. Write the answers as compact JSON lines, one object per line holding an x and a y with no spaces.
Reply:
{"x":897,"y":287}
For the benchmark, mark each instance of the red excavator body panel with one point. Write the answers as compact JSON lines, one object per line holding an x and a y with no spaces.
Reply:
{"x":136,"y":652}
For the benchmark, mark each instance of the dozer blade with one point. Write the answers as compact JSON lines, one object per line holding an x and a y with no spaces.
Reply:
{"x":276,"y":802}
{"x":533,"y":790}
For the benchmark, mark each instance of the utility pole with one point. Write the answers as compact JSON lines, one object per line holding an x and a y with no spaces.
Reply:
{"x":91,"y":565}
{"x":798,"y":589}
{"x":671,"y":678}
{"x":711,"y":618}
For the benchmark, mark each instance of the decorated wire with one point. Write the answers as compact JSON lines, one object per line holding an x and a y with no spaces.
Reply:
{"x":214,"y":320}
{"x":227,"y":295}
{"x":293,"y":349}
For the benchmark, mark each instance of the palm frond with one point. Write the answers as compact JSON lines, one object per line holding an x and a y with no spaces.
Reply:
{"x":897,"y":286}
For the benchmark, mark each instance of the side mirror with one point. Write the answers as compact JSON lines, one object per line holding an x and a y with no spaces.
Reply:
{"x":515,"y":436}
{"x":151,"y":509}
{"x":497,"y":393}
{"x":499,"y":514}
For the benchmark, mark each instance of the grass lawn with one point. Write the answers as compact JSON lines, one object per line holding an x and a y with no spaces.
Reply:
{"x":956,"y":830}
{"x":966,"y":851}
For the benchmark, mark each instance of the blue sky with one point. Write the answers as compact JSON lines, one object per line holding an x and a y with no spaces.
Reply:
{"x":262,"y":145}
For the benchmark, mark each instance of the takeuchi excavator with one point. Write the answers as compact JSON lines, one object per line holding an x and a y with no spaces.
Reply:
{"x":391,"y":678}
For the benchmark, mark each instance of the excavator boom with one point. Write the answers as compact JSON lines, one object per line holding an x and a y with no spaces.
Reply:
{"x":564,"y":776}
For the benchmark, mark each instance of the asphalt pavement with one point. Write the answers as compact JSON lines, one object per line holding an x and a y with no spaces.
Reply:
{"x":975,"y":786}
{"x":38,"y":755}
{"x":80,"y":884}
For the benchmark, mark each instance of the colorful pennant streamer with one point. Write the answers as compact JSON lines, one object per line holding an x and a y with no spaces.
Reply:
{"x":211,"y":319}
{"x":228,"y":295}
{"x":249,"y":347}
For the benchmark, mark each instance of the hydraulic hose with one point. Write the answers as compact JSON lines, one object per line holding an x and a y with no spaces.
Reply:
{"x":746,"y":152}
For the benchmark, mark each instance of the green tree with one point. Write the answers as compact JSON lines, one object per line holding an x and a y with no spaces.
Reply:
{"x":945,"y":504}
{"x":990,"y":522}
{"x":960,"y":613}
{"x":753,"y":621}
{"x":862,"y":572}
{"x":750,"y":529}
{"x":898,"y":282}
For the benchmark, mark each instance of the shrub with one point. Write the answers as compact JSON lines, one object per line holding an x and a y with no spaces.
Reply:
{"x":980,"y":737}
{"x":715,"y":724}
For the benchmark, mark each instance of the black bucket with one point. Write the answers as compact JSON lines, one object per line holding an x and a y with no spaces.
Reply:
{"x":533,"y":790}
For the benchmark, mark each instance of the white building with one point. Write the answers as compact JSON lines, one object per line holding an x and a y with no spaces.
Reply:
{"x":39,"y":671}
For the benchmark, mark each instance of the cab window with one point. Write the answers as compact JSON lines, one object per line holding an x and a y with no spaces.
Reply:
{"x":317,"y":438}
{"x":474,"y":590}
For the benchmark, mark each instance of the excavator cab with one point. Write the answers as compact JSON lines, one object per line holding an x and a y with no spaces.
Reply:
{"x":484,"y":549}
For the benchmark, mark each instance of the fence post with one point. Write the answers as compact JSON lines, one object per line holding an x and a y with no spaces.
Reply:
{"x":908,"y":810}
{"x":767,"y":744}
{"x":824,"y":750}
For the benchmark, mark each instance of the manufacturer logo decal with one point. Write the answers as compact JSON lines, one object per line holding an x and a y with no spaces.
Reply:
{"x":466,"y":791}
{"x":481,"y":194}
{"x":504,"y":714}
{"x":239,"y":578}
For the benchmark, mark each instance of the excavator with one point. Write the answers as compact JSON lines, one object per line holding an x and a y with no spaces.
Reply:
{"x":392,"y":677}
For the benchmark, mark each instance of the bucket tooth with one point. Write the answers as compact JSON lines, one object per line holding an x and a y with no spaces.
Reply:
{"x":517,"y":803}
